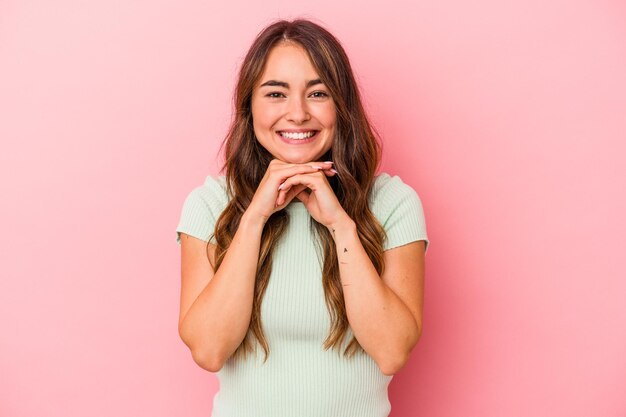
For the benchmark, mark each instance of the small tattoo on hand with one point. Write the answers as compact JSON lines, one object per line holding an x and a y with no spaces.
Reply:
{"x":345,"y":250}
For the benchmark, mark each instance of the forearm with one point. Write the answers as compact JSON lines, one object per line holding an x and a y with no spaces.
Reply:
{"x":218,"y":320}
{"x":381,"y":322}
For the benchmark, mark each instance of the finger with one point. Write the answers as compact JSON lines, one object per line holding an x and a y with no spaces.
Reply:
{"x":285,"y":173}
{"x":281,"y":165}
{"x":281,"y":198}
{"x":284,"y":189}
{"x":303,"y":196}
{"x":310,"y":180}
{"x":289,"y":194}
{"x":323,"y":164}
{"x":293,"y":191}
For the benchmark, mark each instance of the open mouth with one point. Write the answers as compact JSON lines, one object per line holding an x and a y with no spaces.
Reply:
{"x":298,"y":138}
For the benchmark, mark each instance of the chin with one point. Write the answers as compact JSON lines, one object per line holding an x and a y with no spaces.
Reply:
{"x":301,"y":158}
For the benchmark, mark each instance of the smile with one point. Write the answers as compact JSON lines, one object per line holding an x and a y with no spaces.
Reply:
{"x":298,"y":138}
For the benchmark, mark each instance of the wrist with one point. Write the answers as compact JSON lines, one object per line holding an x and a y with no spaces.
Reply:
{"x":342,"y":226}
{"x":251,"y":220}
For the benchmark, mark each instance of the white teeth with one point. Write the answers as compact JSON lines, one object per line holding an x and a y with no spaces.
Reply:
{"x":297,"y":135}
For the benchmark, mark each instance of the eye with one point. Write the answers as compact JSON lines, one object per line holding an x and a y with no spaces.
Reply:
{"x":316,"y":94}
{"x":323,"y":94}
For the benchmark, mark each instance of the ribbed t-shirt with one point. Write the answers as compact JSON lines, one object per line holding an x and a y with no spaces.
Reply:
{"x":300,"y":378}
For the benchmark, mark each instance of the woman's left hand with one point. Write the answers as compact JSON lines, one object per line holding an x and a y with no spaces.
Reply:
{"x":321,"y":202}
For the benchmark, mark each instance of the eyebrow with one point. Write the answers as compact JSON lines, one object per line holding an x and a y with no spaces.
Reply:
{"x":274,"y":83}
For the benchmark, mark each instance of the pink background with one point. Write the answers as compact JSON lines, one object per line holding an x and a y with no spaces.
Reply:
{"x":508,"y":118}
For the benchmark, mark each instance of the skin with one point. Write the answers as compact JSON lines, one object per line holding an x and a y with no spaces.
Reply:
{"x":385,"y":312}
{"x":294,"y":107}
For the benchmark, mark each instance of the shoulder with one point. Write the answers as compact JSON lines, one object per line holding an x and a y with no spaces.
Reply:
{"x":398,"y":208}
{"x":214,"y":188}
{"x":212,"y":193}
{"x":202,"y":207}
{"x":390,"y":191}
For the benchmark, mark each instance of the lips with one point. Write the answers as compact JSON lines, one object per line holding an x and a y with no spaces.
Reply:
{"x":297,"y":130}
{"x":297,"y":141}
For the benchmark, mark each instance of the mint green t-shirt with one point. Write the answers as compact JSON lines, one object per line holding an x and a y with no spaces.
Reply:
{"x":300,"y":378}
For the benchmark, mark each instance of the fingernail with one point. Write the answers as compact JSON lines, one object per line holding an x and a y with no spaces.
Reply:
{"x":280,"y":187}
{"x":328,"y":162}
{"x":316,"y":166}
{"x":332,"y":170}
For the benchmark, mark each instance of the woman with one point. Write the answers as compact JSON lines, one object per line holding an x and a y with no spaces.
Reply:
{"x":300,"y":247}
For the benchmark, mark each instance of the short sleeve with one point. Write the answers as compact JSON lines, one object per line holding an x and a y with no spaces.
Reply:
{"x":399,"y":209}
{"x":201,"y":209}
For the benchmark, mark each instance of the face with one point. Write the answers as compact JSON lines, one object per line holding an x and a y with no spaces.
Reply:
{"x":289,"y":104}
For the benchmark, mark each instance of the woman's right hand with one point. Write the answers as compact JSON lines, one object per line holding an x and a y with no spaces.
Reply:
{"x":265,"y":199}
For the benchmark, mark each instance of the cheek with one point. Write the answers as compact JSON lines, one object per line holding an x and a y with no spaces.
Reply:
{"x":330,"y":113}
{"x":259,"y":111}
{"x":331,"y":117}
{"x":265,"y":116}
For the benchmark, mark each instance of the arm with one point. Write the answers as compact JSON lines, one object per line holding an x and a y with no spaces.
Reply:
{"x":384,"y":313}
{"x":216,"y":308}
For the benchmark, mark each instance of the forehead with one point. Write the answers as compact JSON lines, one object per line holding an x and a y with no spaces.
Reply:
{"x":290,"y":63}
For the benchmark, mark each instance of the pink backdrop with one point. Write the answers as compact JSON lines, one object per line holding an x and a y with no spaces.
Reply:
{"x":508,"y":118}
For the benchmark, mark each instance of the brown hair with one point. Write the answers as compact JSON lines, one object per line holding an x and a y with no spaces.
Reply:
{"x":356,"y":153}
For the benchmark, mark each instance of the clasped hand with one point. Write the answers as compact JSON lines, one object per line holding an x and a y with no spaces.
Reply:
{"x":284,"y":181}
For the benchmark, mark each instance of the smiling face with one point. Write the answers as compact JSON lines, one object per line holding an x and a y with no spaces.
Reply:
{"x":289,"y":104}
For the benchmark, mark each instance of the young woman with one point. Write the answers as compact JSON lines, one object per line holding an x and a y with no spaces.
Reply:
{"x":302,"y":270}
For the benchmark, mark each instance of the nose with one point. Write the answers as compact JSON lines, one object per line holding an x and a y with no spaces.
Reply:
{"x":297,"y":111}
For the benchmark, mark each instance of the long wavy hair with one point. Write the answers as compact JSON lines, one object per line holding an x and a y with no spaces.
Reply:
{"x":356,"y":152}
